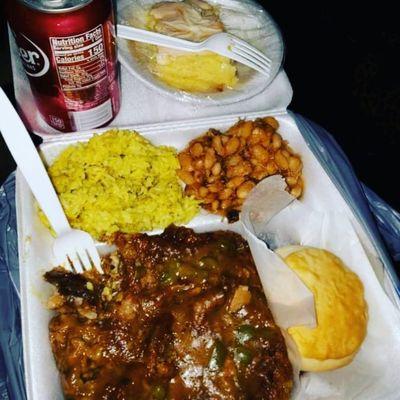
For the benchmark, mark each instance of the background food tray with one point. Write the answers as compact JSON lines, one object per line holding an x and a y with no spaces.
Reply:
{"x":321,"y":194}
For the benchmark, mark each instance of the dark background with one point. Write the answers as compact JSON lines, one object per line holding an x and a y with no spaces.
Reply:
{"x":343,"y":64}
{"x":344,"y":67}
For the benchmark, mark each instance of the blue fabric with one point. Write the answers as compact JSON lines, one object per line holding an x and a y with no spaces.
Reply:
{"x":380,"y":221}
{"x":388,"y":221}
{"x":11,"y":361}
{"x":339,"y":169}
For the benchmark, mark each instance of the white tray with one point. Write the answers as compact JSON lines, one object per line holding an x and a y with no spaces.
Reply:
{"x":320,"y":194}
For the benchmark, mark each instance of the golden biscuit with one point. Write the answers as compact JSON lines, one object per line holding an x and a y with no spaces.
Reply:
{"x":340,"y":309}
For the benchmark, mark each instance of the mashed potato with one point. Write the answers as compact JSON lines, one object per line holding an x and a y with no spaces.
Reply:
{"x":119,"y":181}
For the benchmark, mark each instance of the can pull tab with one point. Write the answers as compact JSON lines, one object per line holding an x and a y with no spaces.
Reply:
{"x":56,"y":5}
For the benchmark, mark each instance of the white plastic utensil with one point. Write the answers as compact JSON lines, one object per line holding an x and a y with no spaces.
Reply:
{"x":224,"y":44}
{"x":74,"y":249}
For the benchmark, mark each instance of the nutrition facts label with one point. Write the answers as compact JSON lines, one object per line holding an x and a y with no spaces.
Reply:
{"x":80,"y":59}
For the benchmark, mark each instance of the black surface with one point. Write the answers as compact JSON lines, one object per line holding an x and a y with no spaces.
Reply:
{"x":344,"y":68}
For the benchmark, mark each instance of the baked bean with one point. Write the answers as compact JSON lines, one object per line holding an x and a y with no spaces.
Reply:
{"x":245,"y":128}
{"x":199,"y":163}
{"x":281,"y":161}
{"x":237,"y":203}
{"x":186,"y":177}
{"x":300,"y":181}
{"x":234,"y":130}
{"x":209,"y":198}
{"x":214,"y":188}
{"x":272,"y":168}
{"x":272,"y":122}
{"x":285,"y":153}
{"x":235,"y":182}
{"x":294,"y":164}
{"x":185,"y":161}
{"x":268,"y":129}
{"x":215,"y":205}
{"x":233,"y":160}
{"x":265,"y":140}
{"x":211,"y":178}
{"x":259,"y":173}
{"x":232,"y":145}
{"x":216,"y":169}
{"x":255,"y":162}
{"x":257,"y":131}
{"x":223,"y":168}
{"x":209,"y":158}
{"x":244,"y":189}
{"x":217,"y":144}
{"x":253,"y":139}
{"x":241,"y":169}
{"x":196,"y":150}
{"x":225,"y":204}
{"x":190,"y":190}
{"x":259,"y":153}
{"x":296,"y":191}
{"x":276,"y":141}
{"x":203,"y":191}
{"x":291,"y":180}
{"x":225,"y":194}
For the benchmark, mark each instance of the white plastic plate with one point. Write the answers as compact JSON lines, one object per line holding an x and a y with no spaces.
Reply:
{"x":382,"y":344}
{"x":245,"y":19}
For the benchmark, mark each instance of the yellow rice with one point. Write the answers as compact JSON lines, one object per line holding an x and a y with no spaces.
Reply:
{"x":119,"y":181}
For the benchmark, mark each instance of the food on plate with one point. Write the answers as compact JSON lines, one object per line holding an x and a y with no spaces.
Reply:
{"x":119,"y":181}
{"x":340,"y":307}
{"x":193,"y":20}
{"x":176,"y":316}
{"x":221,"y":168}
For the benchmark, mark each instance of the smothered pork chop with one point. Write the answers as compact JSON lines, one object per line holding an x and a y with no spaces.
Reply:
{"x":175,"y":316}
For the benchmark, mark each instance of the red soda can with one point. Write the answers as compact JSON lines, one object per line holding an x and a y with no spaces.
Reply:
{"x":68,"y":51}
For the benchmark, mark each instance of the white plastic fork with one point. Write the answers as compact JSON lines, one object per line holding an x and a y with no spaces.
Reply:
{"x":73,"y":248}
{"x":224,"y":44}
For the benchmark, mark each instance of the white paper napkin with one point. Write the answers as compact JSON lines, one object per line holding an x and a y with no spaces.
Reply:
{"x":290,"y":301}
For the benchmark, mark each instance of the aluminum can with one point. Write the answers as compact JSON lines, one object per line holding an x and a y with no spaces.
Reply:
{"x":68,"y":51}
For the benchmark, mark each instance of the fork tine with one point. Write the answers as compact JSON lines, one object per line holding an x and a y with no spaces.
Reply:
{"x":252,"y":55}
{"x":251,"y":65}
{"x":251,"y":49}
{"x":75,"y":262}
{"x":85,"y":260}
{"x":65,"y":263}
{"x":95,"y":258}
{"x":245,"y":59}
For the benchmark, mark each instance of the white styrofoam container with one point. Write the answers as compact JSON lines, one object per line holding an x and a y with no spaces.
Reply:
{"x":35,"y":242}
